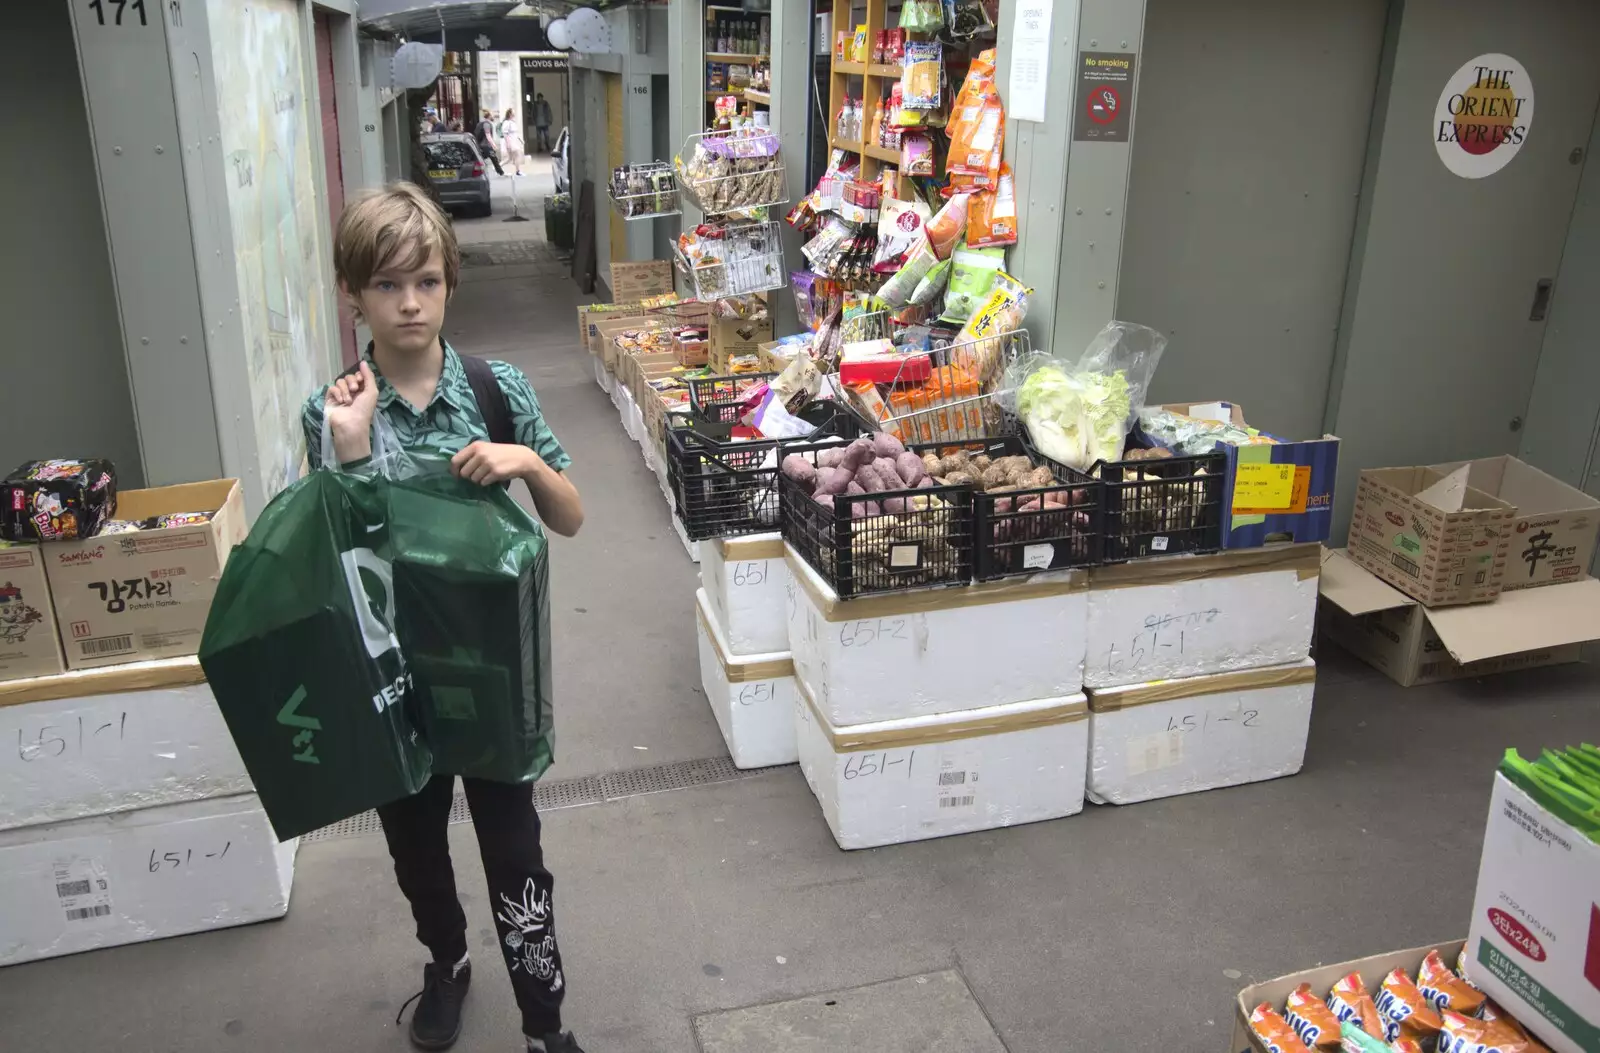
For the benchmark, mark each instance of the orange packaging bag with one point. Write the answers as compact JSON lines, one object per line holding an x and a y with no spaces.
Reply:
{"x":1273,"y":1031}
{"x":992,"y":217}
{"x":1405,"y":1012}
{"x":1350,"y":1000}
{"x":1493,"y":1013}
{"x":1441,"y":986}
{"x":1311,"y":1019}
{"x":1467,"y":1035}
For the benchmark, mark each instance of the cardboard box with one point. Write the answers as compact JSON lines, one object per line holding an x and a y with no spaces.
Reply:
{"x":1413,"y":644}
{"x":604,"y":343}
{"x":1554,"y":533}
{"x":752,"y":696}
{"x":1436,"y":555}
{"x":1534,"y":945}
{"x":635,"y":281}
{"x":114,"y":879}
{"x":1180,"y":616}
{"x":736,"y":336}
{"x":1322,"y":979}
{"x":894,"y":781}
{"x":1298,"y":508}
{"x":774,"y":355}
{"x":145,"y":594}
{"x":1199,"y":733}
{"x":123,"y":738}
{"x":590,"y":316}
{"x":29,"y":645}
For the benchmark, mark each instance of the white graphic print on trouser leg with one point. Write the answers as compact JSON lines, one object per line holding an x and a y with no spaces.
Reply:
{"x":530,"y":945}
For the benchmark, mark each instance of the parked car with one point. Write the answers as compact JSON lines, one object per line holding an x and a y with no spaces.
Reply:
{"x":456,"y":170}
{"x":558,"y":163}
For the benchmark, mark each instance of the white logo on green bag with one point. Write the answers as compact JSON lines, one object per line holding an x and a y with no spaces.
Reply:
{"x":376,"y":632}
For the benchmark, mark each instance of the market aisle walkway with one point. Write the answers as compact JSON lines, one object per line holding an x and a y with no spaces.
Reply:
{"x":1117,"y":930}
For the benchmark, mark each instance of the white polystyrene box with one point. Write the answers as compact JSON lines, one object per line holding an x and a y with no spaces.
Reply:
{"x":905,"y":780}
{"x":600,"y":374}
{"x":745,"y":580}
{"x":918,"y":654}
{"x":691,"y":547}
{"x":1184,"y":736}
{"x":752,"y":696}
{"x":625,"y":411}
{"x":133,"y":876}
{"x":72,"y":757}
{"x":1190,"y":616}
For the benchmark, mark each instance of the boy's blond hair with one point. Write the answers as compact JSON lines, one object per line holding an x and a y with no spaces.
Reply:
{"x":398,"y":226}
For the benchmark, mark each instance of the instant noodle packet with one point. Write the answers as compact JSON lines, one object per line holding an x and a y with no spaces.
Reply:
{"x":1405,"y":1012}
{"x":1311,"y":1019}
{"x":1273,"y":1031}
{"x":1494,"y":1013}
{"x":1441,"y":986}
{"x":1350,"y":1000}
{"x":1463,"y":1034}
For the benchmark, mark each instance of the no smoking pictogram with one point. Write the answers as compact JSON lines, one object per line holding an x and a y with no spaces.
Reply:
{"x":1104,"y":104}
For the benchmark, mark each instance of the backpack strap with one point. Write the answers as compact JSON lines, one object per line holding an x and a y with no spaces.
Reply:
{"x":490,"y":398}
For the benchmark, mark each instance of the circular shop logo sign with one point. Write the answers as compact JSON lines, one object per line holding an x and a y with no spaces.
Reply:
{"x":1483,"y":116}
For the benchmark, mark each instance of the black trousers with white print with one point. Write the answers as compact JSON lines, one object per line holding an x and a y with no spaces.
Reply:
{"x":520,"y":888}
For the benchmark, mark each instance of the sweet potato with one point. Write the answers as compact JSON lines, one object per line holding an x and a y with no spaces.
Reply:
{"x":887,"y":445}
{"x":926,"y":481}
{"x":1030,"y":504}
{"x":831,"y":457}
{"x":1003,"y":504}
{"x":800,"y":470}
{"x":825,"y":500}
{"x":865,"y":510}
{"x":858,"y":453}
{"x":889,"y":472}
{"x":854,"y":488}
{"x":895,"y":506}
{"x":911,"y":468}
{"x":832,"y":480}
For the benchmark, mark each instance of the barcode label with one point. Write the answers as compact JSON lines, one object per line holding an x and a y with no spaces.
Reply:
{"x":1405,"y":565}
{"x":957,"y":802}
{"x":72,"y":888}
{"x":1158,"y":544}
{"x":99,"y":910}
{"x":952,"y":778}
{"x":106,"y":645}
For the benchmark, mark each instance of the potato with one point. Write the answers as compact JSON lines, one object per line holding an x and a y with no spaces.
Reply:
{"x":992,"y":477}
{"x":832,"y":480}
{"x":933,"y":465}
{"x":858,"y":453}
{"x":887,"y":445}
{"x":1015,"y":463}
{"x":960,"y":461}
{"x":1040,"y":476}
{"x":910,"y":468}
{"x":832,"y":457}
{"x":800,"y":470}
{"x":982,"y":462}
{"x":959,"y":479}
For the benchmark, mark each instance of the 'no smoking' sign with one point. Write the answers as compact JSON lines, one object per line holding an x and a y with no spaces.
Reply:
{"x":1104,"y":104}
{"x":1104,"y":113}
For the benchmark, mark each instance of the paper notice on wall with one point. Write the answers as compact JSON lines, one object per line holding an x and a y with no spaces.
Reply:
{"x":82,"y":889}
{"x":1030,"y":61}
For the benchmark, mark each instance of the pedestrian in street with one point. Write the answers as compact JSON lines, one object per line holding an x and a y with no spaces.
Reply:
{"x":484,"y":134}
{"x":397,"y":263}
{"x":511,"y":132}
{"x":438,"y":125}
{"x":541,"y":123}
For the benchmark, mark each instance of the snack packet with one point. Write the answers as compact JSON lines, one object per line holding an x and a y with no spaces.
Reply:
{"x":1273,"y":1031}
{"x":932,"y":284}
{"x":898,"y":289}
{"x":992,"y":216}
{"x":1493,"y":1013}
{"x":922,"y":76}
{"x":1463,"y":1034}
{"x":899,"y":228}
{"x":1311,"y":1019}
{"x":947,"y":225}
{"x":1350,"y":1001}
{"x":1405,"y":1012}
{"x":1354,"y":1040}
{"x":972,"y":275}
{"x":1445,"y":990}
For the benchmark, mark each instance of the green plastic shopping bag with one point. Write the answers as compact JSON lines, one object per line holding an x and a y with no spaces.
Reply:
{"x":472,"y":598}
{"x":301,"y":653}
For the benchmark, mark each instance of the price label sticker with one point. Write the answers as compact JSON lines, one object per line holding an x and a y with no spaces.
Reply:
{"x":1269,"y":486}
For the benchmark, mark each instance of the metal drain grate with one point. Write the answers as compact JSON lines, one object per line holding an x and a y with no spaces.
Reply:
{"x":574,"y":793}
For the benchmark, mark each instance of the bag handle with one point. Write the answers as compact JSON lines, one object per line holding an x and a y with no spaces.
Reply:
{"x":491,"y":399}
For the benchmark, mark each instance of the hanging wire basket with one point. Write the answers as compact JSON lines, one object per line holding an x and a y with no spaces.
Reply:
{"x":645,"y":191}
{"x":951,"y":394}
{"x":732,"y":171}
{"x":738,"y":260}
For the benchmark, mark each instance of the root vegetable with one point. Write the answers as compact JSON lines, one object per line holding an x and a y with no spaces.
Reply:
{"x":926,"y":481}
{"x":959,"y":478}
{"x":800,"y":470}
{"x":895,"y":506}
{"x":866,"y":510}
{"x":858,"y":453}
{"x":830,"y":458}
{"x":911,"y":469}
{"x":887,"y":445}
{"x":825,"y":500}
{"x":1039,"y":477}
{"x":1030,"y":504}
{"x":1003,"y":504}
{"x":982,"y":462}
{"x":854,"y":488}
{"x":832,"y":480}
{"x":992,"y":477}
{"x":868,"y":479}
{"x":933,"y":465}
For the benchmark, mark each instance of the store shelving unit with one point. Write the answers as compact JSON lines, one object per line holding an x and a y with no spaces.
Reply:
{"x":867,"y":81}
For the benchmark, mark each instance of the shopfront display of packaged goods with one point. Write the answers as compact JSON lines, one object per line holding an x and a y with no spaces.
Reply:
{"x":1437,"y":348}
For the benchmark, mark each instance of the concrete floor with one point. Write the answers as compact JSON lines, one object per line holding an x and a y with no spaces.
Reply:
{"x":1116,"y":930}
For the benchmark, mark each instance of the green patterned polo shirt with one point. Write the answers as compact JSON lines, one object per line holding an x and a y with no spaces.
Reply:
{"x":451,"y":421}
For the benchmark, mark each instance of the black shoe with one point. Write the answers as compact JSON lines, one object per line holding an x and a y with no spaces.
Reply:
{"x":560,"y":1042}
{"x":436,"y":1024}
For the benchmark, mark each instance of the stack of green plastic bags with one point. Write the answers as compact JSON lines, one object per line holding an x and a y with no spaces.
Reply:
{"x":1566,"y":783}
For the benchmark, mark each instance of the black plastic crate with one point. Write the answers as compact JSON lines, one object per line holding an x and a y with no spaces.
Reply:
{"x":861,"y":549}
{"x":1026,"y":531}
{"x":1158,"y":507}
{"x":725,"y":487}
{"x":716,"y":400}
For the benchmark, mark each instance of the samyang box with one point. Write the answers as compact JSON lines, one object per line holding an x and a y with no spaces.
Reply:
{"x":145,"y":593}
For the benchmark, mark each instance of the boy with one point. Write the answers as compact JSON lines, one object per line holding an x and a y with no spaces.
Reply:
{"x":396,"y":259}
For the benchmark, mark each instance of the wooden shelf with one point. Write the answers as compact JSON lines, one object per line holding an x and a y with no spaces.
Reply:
{"x":836,"y":143}
{"x":883,"y":69}
{"x":882,"y":153}
{"x":760,"y":98}
{"x":850,"y":69}
{"x":737,"y":58}
{"x":712,"y":96}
